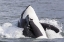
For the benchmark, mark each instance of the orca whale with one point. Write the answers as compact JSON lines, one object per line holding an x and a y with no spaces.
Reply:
{"x":30,"y":22}
{"x":32,"y":27}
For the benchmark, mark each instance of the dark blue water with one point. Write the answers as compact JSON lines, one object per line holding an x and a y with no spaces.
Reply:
{"x":11,"y":10}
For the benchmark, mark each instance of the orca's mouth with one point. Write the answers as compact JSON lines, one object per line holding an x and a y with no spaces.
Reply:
{"x":33,"y":28}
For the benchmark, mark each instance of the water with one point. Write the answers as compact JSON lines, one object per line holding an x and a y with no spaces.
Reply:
{"x":11,"y":10}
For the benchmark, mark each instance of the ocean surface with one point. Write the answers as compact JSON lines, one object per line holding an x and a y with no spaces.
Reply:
{"x":10,"y":10}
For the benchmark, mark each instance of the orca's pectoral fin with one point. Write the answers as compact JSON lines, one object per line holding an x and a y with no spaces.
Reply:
{"x":48,"y":26}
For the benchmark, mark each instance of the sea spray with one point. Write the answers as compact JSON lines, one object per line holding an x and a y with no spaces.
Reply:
{"x":50,"y":33}
{"x":11,"y":31}
{"x":52,"y":22}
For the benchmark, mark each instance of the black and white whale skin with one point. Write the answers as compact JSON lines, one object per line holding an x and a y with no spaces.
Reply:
{"x":30,"y":22}
{"x":32,"y":27}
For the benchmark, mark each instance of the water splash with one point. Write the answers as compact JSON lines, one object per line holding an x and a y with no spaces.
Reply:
{"x":50,"y":33}
{"x":8,"y":30}
{"x":52,"y":22}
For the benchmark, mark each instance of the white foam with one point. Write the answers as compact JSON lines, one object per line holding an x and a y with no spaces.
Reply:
{"x":1,"y":30}
{"x":52,"y":34}
{"x":8,"y":30}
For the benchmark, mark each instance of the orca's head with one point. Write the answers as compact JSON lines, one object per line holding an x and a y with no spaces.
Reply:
{"x":28,"y":12}
{"x":31,"y":12}
{"x":30,"y":18}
